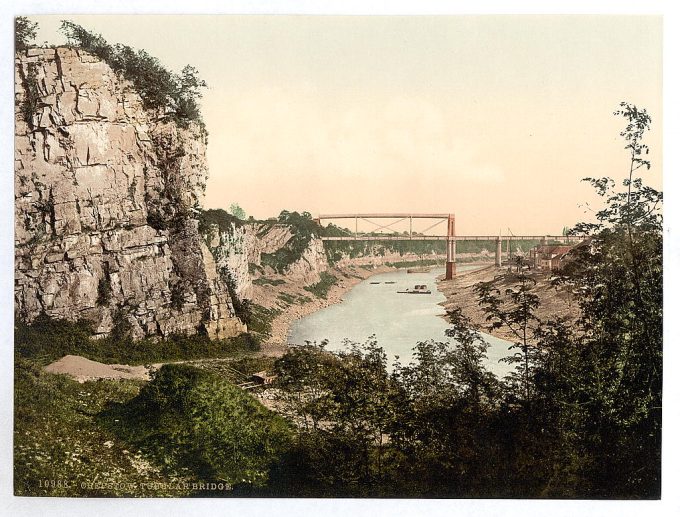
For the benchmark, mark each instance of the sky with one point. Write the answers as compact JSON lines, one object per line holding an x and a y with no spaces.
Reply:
{"x":493,"y":118}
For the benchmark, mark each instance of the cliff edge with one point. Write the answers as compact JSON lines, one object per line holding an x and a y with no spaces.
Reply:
{"x":106,"y":194}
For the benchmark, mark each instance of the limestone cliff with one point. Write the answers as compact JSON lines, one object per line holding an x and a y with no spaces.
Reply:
{"x":239,"y":248}
{"x":105,"y":193}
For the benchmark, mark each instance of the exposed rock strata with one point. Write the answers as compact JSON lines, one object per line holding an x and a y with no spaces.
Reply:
{"x":104,"y":199}
{"x":238,"y":249}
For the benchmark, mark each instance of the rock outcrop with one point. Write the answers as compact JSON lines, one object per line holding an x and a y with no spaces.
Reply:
{"x":105,"y":196}
{"x":239,"y":249}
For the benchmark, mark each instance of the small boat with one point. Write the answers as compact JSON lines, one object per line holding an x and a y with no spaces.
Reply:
{"x":422,"y":269}
{"x":391,"y":282}
{"x":375,"y":282}
{"x":418,"y":289}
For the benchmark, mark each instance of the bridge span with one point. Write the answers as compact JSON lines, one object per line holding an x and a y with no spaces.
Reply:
{"x":450,"y":236}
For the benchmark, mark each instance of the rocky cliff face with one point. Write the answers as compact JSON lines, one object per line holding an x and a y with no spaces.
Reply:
{"x":238,"y":248}
{"x":104,"y":197}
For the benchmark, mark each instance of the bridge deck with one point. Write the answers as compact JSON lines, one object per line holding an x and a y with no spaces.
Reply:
{"x":558,"y":238}
{"x":399,"y":215}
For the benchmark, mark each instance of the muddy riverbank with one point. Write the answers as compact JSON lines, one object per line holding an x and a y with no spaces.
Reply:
{"x":554,"y":302}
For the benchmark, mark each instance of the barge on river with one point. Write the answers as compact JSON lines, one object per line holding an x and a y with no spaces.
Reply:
{"x":418,"y":289}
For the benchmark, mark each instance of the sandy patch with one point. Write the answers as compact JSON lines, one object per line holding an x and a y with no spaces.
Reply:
{"x":82,"y":369}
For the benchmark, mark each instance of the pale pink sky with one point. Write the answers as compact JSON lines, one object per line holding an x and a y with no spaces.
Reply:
{"x":493,"y":118}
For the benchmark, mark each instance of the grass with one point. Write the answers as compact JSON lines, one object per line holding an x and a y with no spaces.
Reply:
{"x":77,"y":434}
{"x":321,"y":288}
{"x":268,"y":281}
{"x":46,"y":340}
{"x":57,"y":437}
{"x":61,"y":436}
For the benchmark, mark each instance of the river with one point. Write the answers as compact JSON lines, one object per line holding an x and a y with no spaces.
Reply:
{"x":398,"y":321}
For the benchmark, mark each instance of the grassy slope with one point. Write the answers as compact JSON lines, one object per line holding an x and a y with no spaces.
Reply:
{"x":57,"y":437}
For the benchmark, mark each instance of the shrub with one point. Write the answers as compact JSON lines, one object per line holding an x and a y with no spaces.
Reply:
{"x":321,"y":288}
{"x":29,"y":106}
{"x":104,"y":290}
{"x":24,"y":32}
{"x":223,"y":219}
{"x":192,"y":418}
{"x":46,"y":339}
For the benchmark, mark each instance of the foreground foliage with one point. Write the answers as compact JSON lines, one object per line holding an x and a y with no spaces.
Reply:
{"x":193,"y":419}
{"x":57,"y":438}
{"x":580,"y":416}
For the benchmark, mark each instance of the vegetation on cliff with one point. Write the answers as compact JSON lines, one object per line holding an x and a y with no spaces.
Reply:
{"x":24,"y":32}
{"x":225,"y":221}
{"x":159,"y":88}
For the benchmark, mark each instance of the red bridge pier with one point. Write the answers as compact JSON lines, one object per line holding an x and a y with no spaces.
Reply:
{"x":451,"y":248}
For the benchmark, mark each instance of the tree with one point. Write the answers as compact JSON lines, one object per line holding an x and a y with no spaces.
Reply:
{"x":237,"y":211}
{"x":516,"y":311}
{"x":174,"y":95}
{"x":618,"y":275}
{"x":343,"y":404}
{"x":24,"y":32}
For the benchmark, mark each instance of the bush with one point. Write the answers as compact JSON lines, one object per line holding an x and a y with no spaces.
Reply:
{"x":24,"y":32}
{"x":192,"y":418}
{"x":321,"y":288}
{"x":48,"y":339}
{"x":223,"y":219}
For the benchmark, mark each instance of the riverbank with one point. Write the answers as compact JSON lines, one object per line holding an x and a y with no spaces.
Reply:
{"x":294,"y":302}
{"x":554,"y":302}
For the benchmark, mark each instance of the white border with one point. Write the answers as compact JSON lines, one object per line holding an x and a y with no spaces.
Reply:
{"x":670,"y":503}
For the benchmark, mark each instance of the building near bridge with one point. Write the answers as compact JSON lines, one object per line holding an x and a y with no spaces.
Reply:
{"x":549,"y":256}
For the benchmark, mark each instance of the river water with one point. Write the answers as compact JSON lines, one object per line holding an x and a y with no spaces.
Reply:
{"x":398,"y":321}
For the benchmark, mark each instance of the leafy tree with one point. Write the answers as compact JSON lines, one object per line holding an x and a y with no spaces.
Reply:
{"x":24,"y":32}
{"x":619,"y":275}
{"x":516,"y":311}
{"x":343,"y":404}
{"x":237,"y":211}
